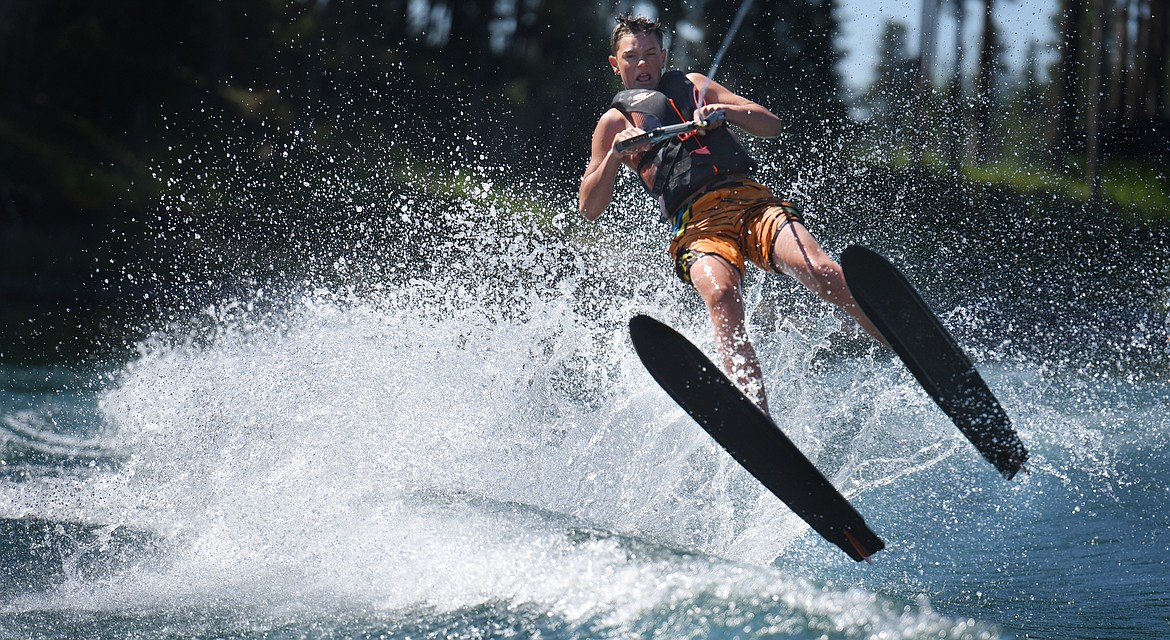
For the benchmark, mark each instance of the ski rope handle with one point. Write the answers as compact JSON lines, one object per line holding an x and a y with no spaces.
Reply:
{"x":659,"y":134}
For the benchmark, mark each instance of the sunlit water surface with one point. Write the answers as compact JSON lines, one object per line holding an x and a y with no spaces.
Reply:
{"x":443,"y":432}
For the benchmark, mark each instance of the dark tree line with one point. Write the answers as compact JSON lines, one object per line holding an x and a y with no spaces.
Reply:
{"x":1112,"y":81}
{"x":1104,"y":96}
{"x":94,"y":94}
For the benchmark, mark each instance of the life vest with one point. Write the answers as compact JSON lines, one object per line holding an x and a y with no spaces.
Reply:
{"x":679,"y":167}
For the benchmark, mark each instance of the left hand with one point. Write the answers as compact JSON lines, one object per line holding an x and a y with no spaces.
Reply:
{"x":705,"y":111}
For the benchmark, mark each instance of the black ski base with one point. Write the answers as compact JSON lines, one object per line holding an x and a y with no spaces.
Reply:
{"x":750,"y":436}
{"x":929,"y":351}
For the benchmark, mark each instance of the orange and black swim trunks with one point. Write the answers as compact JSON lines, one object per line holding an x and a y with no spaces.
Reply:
{"x":737,"y":221}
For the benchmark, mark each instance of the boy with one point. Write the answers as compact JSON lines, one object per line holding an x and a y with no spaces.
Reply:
{"x":721,"y":217}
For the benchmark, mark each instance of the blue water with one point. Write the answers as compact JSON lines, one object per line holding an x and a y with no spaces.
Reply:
{"x":393,"y":467}
{"x":453,"y":438}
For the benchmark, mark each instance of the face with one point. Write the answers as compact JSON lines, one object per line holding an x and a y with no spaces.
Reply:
{"x":639,"y":61}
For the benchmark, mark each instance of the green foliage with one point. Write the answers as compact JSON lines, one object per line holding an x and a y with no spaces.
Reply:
{"x":1139,"y":190}
{"x":99,"y":101}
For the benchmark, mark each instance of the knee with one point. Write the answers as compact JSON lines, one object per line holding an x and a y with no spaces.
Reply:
{"x":717,"y":282}
{"x":722,"y":296}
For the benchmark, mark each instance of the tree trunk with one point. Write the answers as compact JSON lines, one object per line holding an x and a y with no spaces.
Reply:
{"x":1135,"y":87}
{"x":1122,"y":56}
{"x":1154,"y":98}
{"x":1064,"y":83}
{"x":922,"y":82}
{"x":983,"y":94}
{"x":1093,"y":113}
{"x":955,"y":135}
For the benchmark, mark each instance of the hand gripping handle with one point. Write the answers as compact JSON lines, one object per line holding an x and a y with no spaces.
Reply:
{"x":659,"y":134}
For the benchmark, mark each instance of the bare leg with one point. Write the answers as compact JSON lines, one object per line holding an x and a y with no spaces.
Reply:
{"x":719,"y":285}
{"x":799,"y":255}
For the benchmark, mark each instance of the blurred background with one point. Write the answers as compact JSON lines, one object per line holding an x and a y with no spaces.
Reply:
{"x":103,"y":102}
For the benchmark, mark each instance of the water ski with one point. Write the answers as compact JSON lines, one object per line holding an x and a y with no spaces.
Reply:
{"x":932,"y":355}
{"x":750,"y":436}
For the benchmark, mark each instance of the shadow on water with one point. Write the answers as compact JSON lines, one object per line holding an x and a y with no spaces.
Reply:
{"x":68,"y":324}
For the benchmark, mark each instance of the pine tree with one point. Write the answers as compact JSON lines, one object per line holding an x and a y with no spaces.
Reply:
{"x":1093,"y":103}
{"x":956,"y":114}
{"x":924,"y":91}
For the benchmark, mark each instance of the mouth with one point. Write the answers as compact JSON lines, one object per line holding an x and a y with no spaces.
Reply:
{"x":644,"y":78}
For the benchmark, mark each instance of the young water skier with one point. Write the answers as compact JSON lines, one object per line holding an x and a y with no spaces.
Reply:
{"x":720,"y":216}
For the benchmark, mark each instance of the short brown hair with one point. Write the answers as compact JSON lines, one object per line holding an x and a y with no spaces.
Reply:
{"x":628,"y":25}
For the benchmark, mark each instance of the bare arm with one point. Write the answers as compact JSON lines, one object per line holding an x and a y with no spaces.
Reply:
{"x":604,"y":162}
{"x":745,"y":114}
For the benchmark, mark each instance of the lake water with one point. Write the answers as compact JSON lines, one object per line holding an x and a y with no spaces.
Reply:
{"x":452,"y":437}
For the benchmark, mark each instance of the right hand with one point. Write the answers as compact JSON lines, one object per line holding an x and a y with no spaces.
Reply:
{"x":634,"y":150}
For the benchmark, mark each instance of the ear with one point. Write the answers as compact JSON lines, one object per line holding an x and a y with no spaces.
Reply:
{"x":613,"y":64}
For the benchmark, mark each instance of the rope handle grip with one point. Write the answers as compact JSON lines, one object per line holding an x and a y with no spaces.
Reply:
{"x":658,"y":134}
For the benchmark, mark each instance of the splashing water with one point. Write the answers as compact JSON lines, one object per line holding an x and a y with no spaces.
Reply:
{"x":437,"y":428}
